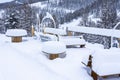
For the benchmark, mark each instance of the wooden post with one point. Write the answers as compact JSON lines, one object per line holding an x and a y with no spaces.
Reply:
{"x":32,"y":31}
{"x":17,"y":39}
{"x":94,"y":75}
{"x":90,"y":61}
{"x":119,"y":42}
{"x":69,"y":33}
{"x":82,"y":46}
{"x":53,"y":56}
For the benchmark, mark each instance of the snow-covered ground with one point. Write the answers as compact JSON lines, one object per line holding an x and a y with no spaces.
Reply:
{"x":25,"y":61}
{"x":3,"y":1}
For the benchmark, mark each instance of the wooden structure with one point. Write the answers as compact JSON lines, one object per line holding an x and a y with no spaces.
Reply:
{"x":32,"y":31}
{"x":52,"y":56}
{"x":73,"y":41}
{"x":16,"y":34}
{"x":54,"y":49}
{"x":69,"y":33}
{"x":106,"y":61}
{"x":17,"y":39}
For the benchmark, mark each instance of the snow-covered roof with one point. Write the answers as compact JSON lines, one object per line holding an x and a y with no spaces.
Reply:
{"x":3,"y":1}
{"x":55,"y":31}
{"x":53,"y":47}
{"x":96,"y":31}
{"x":16,"y":32}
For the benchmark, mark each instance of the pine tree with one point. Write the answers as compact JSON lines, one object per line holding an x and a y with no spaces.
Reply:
{"x":108,"y":18}
{"x":12,"y":20}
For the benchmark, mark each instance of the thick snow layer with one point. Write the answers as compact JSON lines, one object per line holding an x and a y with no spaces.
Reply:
{"x":55,"y":31}
{"x":25,"y":61}
{"x":72,"y":40}
{"x":3,"y":1}
{"x":53,"y":47}
{"x":106,"y":62}
{"x":97,"y":31}
{"x":16,"y":32}
{"x":45,"y":37}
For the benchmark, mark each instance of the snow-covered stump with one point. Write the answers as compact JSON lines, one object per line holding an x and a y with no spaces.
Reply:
{"x":54,"y":49}
{"x":17,"y":39}
{"x":16,"y":34}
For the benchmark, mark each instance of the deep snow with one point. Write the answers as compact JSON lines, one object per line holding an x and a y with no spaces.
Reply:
{"x":25,"y":61}
{"x":3,"y":1}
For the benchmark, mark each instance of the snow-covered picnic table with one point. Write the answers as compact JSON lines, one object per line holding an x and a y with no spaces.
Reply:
{"x":106,"y":62}
{"x":73,"y":40}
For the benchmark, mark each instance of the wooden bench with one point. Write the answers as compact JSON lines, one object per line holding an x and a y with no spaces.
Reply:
{"x":63,"y":37}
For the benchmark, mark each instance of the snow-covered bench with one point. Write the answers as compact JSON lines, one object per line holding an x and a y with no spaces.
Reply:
{"x":68,"y":40}
{"x":105,"y":63}
{"x":45,"y":37}
{"x":73,"y":40}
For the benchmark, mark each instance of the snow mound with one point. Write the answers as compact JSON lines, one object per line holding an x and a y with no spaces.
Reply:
{"x":16,"y":32}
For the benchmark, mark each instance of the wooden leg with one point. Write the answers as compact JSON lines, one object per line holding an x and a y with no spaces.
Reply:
{"x":94,"y":75}
{"x":82,"y":46}
{"x":119,"y":75}
{"x":90,"y":62}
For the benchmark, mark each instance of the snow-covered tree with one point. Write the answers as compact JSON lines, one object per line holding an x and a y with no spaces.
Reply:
{"x":12,"y":20}
{"x":108,"y":17}
{"x":19,"y":17}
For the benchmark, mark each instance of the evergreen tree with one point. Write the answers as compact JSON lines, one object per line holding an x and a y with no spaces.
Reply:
{"x":12,"y":20}
{"x":108,"y":18}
